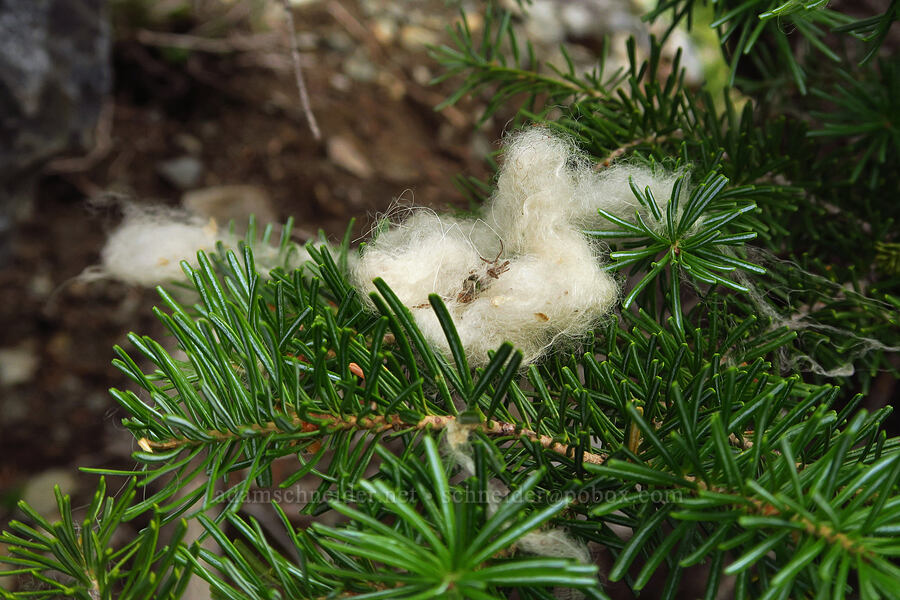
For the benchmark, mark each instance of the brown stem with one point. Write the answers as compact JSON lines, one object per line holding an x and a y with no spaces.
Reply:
{"x":230,"y":45}
{"x":500,"y":428}
{"x":767,"y":509}
{"x":378,"y":424}
{"x":618,"y":152}
{"x":94,"y":592}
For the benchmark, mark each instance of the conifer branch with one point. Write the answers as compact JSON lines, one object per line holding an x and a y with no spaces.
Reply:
{"x":327,"y":424}
{"x":821,"y":530}
{"x":621,"y":150}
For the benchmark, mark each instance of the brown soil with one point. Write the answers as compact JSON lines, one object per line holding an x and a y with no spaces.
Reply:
{"x":250,"y":131}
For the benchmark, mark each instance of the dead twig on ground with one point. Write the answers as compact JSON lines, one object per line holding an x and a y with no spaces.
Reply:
{"x":103,"y":143}
{"x":228,"y":45}
{"x":298,"y":74}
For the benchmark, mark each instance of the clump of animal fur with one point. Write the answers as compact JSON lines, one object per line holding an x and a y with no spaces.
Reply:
{"x":149,"y":245}
{"x":523,"y":271}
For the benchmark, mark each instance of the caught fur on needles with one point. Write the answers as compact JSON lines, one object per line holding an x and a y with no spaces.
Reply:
{"x":523,"y":271}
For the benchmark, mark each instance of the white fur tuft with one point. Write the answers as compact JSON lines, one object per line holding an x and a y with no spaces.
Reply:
{"x":148,"y":246}
{"x":554,"y":542}
{"x":524,"y":272}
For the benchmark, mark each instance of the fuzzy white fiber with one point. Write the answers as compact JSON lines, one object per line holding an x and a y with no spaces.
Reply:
{"x":554,"y":542}
{"x":551,"y":289}
{"x":148,"y":246}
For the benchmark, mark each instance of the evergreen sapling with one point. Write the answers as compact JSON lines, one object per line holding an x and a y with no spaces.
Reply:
{"x":704,"y":438}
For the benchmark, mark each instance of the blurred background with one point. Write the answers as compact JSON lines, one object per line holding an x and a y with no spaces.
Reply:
{"x":194,"y":102}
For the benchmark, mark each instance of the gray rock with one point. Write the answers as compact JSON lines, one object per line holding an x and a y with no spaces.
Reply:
{"x":582,"y":26}
{"x":344,"y":153}
{"x":17,"y":365}
{"x":340,"y":82}
{"x":54,"y":75}
{"x":183,"y":172}
{"x":421,"y":75}
{"x":340,"y":41}
{"x":384,"y":29}
{"x":415,"y":38}
{"x":359,"y":67}
{"x":39,"y":493}
{"x":307,"y":41}
{"x":189,"y":143}
{"x":236,"y":203}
